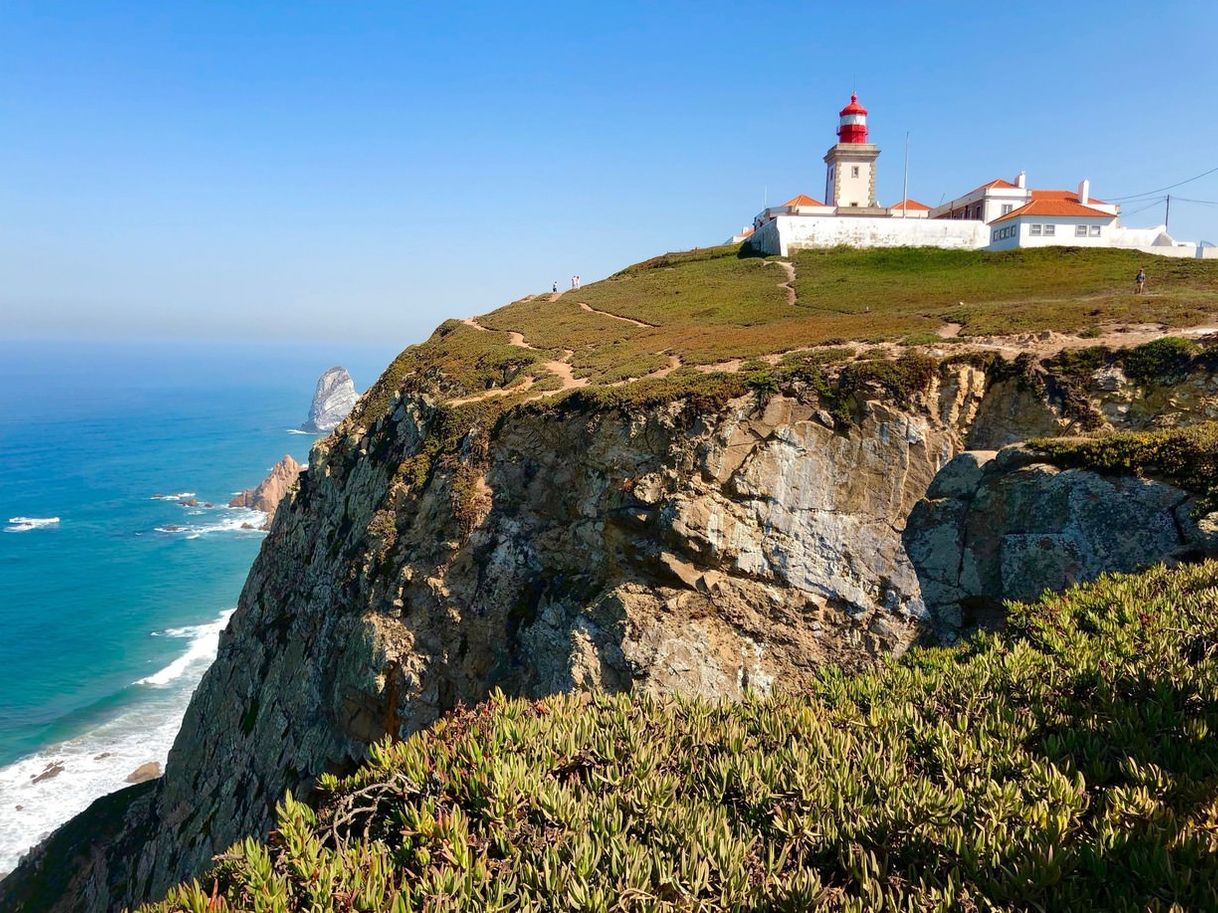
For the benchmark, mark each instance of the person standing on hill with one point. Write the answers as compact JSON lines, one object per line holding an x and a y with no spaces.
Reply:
{"x":1139,"y":282}
{"x":555,"y":289}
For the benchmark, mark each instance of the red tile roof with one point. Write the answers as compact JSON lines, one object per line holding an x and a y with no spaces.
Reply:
{"x":802,"y":200}
{"x":997,"y":183}
{"x":909,"y":204}
{"x":1069,"y":195}
{"x":1055,"y":206}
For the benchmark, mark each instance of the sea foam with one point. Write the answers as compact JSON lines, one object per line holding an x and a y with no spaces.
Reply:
{"x":25,"y":524}
{"x":78,"y":770}
{"x":236,"y":520}
{"x":204,"y":639}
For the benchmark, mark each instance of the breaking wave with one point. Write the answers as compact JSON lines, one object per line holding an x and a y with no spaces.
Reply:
{"x":25,"y":524}
{"x":43,"y":790}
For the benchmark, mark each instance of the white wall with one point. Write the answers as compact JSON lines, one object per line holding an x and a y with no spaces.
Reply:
{"x":781,"y":235}
{"x":787,"y":233}
{"x":1063,"y":233}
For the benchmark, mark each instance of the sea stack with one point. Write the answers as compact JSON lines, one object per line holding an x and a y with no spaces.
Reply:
{"x":270,"y":492}
{"x":334,"y":397}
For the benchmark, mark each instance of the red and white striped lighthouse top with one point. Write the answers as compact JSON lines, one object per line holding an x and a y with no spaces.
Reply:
{"x":853,"y":124}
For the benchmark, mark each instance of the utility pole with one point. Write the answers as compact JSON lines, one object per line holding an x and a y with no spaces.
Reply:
{"x":1167,"y":215}
{"x":905,"y":191}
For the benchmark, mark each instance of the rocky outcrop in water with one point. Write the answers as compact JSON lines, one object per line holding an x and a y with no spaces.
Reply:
{"x":1009,"y":525}
{"x":271,"y":490}
{"x":333,"y":401}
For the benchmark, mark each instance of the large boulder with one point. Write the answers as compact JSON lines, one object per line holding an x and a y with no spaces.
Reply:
{"x":333,"y":401}
{"x":1009,"y":525}
{"x":271,"y":490}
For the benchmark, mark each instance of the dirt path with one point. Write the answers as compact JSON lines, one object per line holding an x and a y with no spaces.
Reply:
{"x":517,"y":340}
{"x":1045,"y":344}
{"x":560,"y":369}
{"x":674,"y":362}
{"x":949,"y":330}
{"x":789,"y":286}
{"x":629,"y":320}
{"x":566,"y":375}
{"x":493,"y":392}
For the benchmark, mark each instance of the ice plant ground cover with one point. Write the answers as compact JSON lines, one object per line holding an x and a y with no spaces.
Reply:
{"x":1068,"y":763}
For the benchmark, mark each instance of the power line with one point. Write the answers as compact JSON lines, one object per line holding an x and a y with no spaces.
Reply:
{"x":1161,"y":189}
{"x":1205,"y":202}
{"x":1151,"y":205}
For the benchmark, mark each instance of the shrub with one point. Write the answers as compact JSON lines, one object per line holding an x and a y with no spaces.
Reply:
{"x":1159,"y":361}
{"x":1187,"y":457}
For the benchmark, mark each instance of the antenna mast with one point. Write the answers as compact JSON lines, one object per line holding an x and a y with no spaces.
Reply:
{"x":905,"y":191}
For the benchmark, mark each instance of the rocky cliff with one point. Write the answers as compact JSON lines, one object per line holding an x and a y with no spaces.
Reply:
{"x":265,"y":497}
{"x":678,"y":484}
{"x":669,"y":544}
{"x":333,"y":401}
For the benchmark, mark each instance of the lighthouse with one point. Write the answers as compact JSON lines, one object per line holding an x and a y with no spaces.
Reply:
{"x":850,"y":163}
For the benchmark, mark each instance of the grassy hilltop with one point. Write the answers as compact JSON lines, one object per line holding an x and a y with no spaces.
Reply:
{"x":711,"y":309}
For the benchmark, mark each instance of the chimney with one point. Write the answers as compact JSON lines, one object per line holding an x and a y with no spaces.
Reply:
{"x":1084,"y":192}
{"x":1021,"y":180}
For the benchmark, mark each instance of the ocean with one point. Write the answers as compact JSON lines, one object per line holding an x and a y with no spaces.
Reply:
{"x":113,"y":592}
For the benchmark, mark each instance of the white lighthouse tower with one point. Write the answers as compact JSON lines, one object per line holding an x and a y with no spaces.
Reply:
{"x":850,"y":178}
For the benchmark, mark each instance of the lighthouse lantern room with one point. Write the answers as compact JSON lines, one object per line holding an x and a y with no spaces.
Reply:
{"x":850,"y":163}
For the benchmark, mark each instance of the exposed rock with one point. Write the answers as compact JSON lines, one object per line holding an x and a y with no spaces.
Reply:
{"x":333,"y":400}
{"x":50,"y":772}
{"x":1009,"y":526}
{"x":149,"y":771}
{"x":270,"y":491}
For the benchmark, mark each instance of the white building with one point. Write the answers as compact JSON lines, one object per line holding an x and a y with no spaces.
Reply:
{"x":998,"y":215}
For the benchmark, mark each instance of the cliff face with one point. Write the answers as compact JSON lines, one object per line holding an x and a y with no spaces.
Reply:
{"x":664,"y":547}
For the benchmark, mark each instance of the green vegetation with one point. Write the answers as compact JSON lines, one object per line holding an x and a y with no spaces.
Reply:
{"x":1187,"y":457}
{"x":1069,"y":764}
{"x":1161,"y":360}
{"x":905,"y":290}
{"x":717,"y":306}
{"x":457,"y":360}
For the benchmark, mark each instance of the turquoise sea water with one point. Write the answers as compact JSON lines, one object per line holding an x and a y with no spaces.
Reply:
{"x":110,"y":615}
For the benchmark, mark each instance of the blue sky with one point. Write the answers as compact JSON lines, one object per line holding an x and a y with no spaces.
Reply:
{"x":361,"y":170}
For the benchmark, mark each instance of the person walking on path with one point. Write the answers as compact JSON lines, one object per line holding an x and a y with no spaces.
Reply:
{"x":1139,"y":282}
{"x":555,"y":289}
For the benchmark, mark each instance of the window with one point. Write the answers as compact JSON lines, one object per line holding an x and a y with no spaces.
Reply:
{"x":1080,"y":231}
{"x":994,"y":237}
{"x":1034,"y":229}
{"x":1094,"y":231}
{"x":854,"y":171}
{"x":1050,"y":230}
{"x":1007,"y":207}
